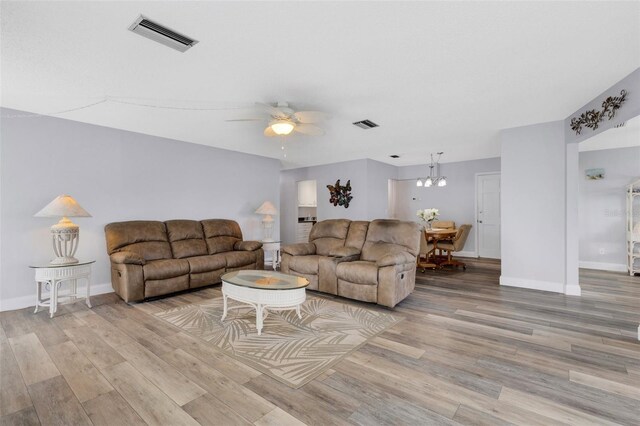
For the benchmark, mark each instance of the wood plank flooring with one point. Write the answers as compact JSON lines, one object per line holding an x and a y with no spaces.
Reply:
{"x":468,"y":352}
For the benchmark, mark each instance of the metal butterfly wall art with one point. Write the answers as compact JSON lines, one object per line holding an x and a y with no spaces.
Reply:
{"x":340,"y":195}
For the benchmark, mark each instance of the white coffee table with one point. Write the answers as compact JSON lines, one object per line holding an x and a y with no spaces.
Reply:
{"x":264,"y":291}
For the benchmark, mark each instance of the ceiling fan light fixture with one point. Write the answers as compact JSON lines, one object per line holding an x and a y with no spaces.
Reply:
{"x":282,"y":127}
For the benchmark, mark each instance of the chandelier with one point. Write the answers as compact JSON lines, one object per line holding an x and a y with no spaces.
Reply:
{"x":434,"y":177}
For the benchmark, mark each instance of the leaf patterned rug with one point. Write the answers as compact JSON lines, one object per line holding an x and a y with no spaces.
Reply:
{"x":291,"y":350}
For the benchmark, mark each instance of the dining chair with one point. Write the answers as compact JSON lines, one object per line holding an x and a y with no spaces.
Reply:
{"x":457,"y":244}
{"x":423,"y":256}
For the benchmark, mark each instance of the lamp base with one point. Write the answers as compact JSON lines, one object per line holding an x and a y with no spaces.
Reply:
{"x":67,"y":260}
{"x":65,"y":237}
{"x":267,"y":225}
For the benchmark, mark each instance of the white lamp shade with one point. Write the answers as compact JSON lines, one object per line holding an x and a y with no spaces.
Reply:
{"x":267,"y":208}
{"x":63,"y":206}
{"x":282,"y":127}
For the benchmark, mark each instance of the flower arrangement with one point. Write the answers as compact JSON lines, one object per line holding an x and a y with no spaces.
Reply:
{"x":428,"y":215}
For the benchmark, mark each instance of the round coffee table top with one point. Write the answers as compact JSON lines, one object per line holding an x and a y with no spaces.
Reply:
{"x":265,"y":280}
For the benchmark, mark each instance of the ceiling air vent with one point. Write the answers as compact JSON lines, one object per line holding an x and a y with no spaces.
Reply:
{"x":365,"y":124}
{"x":163,"y":35}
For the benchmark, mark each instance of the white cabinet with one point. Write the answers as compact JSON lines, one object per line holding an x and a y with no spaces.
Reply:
{"x":307,"y":195}
{"x":303,"y":229}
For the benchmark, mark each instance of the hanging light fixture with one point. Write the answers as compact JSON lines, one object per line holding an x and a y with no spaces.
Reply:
{"x":434,"y":177}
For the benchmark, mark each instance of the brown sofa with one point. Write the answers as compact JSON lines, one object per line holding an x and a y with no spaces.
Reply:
{"x":368,"y":261}
{"x":150,"y":258}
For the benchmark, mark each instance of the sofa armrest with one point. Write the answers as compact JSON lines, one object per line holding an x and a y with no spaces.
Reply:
{"x":127,"y":257}
{"x":344,"y":252}
{"x":395,"y":259}
{"x":247,"y":245}
{"x":300,"y":249}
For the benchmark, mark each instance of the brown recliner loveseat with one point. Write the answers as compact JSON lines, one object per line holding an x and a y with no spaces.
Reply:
{"x":368,"y":261}
{"x":150,"y":258}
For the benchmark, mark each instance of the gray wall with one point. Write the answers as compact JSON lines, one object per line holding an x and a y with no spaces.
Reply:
{"x":378,"y":175}
{"x":533,"y":207}
{"x":115,"y":175}
{"x":456,"y":201}
{"x":602,"y":208}
{"x":369,"y":189}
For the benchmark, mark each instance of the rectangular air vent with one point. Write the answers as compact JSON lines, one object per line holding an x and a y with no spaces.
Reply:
{"x":365,"y":124}
{"x":156,"y":32}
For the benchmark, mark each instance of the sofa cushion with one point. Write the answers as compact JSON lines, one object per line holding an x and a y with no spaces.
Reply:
{"x":357,"y":234}
{"x":386,"y":236}
{"x":305,"y":264}
{"x":358,"y":272}
{"x":146,"y":238}
{"x":329,"y":234}
{"x":221,"y":235}
{"x":396,"y":259}
{"x":163,"y":269}
{"x":207,"y":263}
{"x":299,"y":249}
{"x":237,"y":259}
{"x":247,"y":245}
{"x":127,"y":257}
{"x":186,"y":238}
{"x":344,"y":252}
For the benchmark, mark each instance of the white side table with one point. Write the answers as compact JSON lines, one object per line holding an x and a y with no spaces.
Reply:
{"x":274,"y":248}
{"x":52,"y":277}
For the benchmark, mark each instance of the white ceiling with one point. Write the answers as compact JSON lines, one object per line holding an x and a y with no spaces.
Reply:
{"x":436,"y":76}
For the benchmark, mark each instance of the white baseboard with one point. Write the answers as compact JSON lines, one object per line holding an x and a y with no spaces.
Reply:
{"x":28,"y":301}
{"x":556,"y":287}
{"x":465,"y":254}
{"x":573,"y":290}
{"x":602,"y":266}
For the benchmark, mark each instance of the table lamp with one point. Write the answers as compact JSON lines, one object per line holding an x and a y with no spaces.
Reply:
{"x":267,"y":209}
{"x":65,"y":234}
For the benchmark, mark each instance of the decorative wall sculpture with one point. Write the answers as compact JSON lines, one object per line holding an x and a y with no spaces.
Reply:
{"x":592,"y":118}
{"x":340,"y":195}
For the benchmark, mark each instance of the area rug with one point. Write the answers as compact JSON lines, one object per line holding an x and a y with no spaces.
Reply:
{"x":291,"y":350}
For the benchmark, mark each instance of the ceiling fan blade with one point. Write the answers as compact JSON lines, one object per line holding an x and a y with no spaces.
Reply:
{"x":270,"y":109}
{"x":310,"y":116}
{"x":309,"y":129}
{"x":245,"y":119}
{"x":269,"y":132}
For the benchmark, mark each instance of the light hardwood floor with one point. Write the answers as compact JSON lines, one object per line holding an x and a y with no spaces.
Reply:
{"x":468,"y":352}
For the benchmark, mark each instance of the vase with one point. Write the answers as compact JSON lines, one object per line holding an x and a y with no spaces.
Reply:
{"x":429,"y":226}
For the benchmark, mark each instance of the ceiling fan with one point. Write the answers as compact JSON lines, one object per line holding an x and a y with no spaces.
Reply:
{"x":283,"y":120}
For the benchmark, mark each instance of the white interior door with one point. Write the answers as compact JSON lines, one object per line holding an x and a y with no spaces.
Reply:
{"x":488,"y":214}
